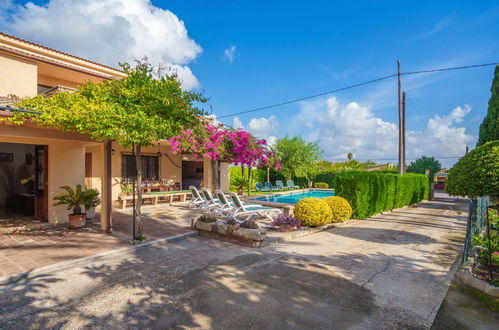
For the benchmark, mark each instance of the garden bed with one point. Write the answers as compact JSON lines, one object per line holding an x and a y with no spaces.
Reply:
{"x":263,"y":236}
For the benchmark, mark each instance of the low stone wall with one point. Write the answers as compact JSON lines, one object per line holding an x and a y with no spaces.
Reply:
{"x":464,"y":276}
{"x":230,"y":233}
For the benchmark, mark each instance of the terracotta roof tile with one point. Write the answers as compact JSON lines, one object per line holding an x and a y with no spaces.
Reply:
{"x":57,"y":51}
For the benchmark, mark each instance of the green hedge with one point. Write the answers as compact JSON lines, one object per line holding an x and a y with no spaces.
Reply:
{"x":371,"y":193}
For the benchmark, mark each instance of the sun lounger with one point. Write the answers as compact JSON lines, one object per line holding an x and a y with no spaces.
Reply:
{"x":251,"y":210}
{"x":291,"y":185}
{"x":260,"y":187}
{"x":269,"y":186}
{"x":197,"y":200}
{"x":279,"y":185}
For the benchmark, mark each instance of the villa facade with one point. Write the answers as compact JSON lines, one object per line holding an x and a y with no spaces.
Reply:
{"x":55,"y":158}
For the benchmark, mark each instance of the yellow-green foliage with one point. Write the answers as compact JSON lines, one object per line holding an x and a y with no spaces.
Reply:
{"x":342,"y":211}
{"x":313,"y":212}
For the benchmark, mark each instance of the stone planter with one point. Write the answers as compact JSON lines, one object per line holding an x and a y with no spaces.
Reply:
{"x":231,"y":233}
{"x":286,"y":228}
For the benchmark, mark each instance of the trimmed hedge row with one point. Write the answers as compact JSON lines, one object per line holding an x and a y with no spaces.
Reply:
{"x":371,"y":193}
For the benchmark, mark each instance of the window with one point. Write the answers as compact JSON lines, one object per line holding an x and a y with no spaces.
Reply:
{"x":150,"y":167}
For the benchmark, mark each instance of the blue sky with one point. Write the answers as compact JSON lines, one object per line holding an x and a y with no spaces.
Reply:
{"x":247,"y":54}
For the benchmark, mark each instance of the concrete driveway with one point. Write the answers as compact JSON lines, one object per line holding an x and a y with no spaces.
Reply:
{"x":391,"y":271}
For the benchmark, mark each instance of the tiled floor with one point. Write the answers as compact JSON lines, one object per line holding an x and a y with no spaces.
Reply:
{"x":29,"y":250}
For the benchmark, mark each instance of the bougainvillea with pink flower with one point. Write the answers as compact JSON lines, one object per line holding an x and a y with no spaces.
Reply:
{"x":225,"y":144}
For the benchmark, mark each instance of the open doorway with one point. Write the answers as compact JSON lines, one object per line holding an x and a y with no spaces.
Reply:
{"x":192,"y":174}
{"x":23,"y":182}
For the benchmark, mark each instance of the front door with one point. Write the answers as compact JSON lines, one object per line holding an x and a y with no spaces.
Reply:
{"x":41,"y":183}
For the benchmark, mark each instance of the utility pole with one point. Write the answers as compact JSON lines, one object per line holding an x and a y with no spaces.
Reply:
{"x":401,"y":123}
{"x":404,"y":163}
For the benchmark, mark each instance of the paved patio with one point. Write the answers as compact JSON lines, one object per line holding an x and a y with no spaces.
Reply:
{"x":28,"y":250}
{"x":391,"y":271}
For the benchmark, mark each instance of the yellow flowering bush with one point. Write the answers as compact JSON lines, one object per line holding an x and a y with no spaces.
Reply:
{"x":313,"y":212}
{"x":341,"y":209}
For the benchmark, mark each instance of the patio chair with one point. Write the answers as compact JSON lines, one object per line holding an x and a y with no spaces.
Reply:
{"x":225,"y":208}
{"x":269,"y":186}
{"x":291,"y":185}
{"x":260,"y":187}
{"x":241,"y":209}
{"x":196,"y":200}
{"x":210,"y":202}
{"x":279,"y":185}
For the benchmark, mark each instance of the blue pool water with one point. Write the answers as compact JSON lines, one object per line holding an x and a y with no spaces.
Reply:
{"x":293,"y":198}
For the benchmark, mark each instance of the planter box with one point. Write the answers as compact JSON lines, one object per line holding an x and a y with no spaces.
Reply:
{"x":231,"y":233}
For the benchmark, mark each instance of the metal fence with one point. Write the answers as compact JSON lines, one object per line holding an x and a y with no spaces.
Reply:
{"x":477,"y":221}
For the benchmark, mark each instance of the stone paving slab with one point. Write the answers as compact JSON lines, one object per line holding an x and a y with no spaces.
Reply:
{"x":21,"y":252}
{"x":387,"y":272}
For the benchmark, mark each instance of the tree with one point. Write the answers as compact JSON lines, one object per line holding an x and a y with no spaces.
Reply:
{"x":227,"y":144}
{"x":489,"y":129}
{"x":297,"y":156}
{"x":477,"y":173}
{"x":138,"y":109}
{"x":420,"y":166}
{"x":350,"y":156}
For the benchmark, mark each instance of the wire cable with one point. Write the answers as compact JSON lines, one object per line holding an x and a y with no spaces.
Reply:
{"x":356,"y":85}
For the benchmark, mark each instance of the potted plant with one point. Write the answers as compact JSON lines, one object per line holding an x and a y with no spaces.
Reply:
{"x":74,"y":199}
{"x":240,"y":183}
{"x":91,"y":203}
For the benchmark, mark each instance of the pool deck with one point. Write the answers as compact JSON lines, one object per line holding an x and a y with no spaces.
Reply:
{"x":287,"y":207}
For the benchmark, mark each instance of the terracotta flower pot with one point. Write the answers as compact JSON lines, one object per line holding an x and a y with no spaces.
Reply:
{"x":240,"y":191}
{"x":77,"y":221}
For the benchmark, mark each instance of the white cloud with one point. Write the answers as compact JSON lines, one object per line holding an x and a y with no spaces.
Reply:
{"x":341,"y":128}
{"x":237,"y":123}
{"x":230,"y":54}
{"x":440,"y":25}
{"x":262,"y":128}
{"x":108,"y":31}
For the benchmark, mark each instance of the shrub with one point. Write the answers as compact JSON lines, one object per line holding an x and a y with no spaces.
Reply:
{"x":477,"y":173}
{"x":371,"y":193}
{"x":341,"y":209}
{"x":482,"y":240}
{"x":321,"y":185}
{"x":286,"y":221}
{"x":313,"y":212}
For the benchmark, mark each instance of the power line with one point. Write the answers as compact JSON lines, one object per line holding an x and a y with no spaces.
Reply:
{"x":309,"y":97}
{"x":357,"y":85}
{"x":413,"y":106}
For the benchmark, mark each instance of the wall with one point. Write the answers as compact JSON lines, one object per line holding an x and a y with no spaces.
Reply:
{"x":19,"y":154}
{"x":66,"y":160}
{"x":168,"y":166}
{"x":17,"y":76}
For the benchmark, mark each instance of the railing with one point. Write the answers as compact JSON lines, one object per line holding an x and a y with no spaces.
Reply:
{"x":477,"y":221}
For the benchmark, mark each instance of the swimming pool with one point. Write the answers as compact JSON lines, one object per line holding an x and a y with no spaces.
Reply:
{"x":294,"y":197}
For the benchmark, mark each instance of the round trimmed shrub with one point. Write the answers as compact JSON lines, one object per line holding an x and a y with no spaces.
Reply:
{"x":341,"y":209}
{"x":321,"y":185}
{"x":313,"y":212}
